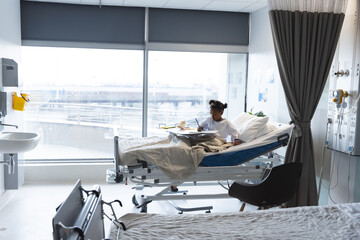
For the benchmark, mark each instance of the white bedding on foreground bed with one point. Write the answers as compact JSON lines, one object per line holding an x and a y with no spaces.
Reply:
{"x":322,"y":222}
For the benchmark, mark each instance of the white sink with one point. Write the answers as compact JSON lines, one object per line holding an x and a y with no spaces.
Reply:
{"x":17,"y":142}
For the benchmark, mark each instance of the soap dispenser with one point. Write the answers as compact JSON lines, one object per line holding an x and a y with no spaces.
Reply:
{"x":9,"y":73}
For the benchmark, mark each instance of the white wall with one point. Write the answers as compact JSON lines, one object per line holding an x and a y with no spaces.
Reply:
{"x":263,"y":74}
{"x":263,"y":71}
{"x":10,"y":42}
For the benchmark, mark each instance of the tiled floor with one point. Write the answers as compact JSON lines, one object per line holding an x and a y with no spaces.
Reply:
{"x":29,"y":213}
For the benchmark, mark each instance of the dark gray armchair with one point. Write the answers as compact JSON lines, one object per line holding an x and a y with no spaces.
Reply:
{"x":277,"y":188}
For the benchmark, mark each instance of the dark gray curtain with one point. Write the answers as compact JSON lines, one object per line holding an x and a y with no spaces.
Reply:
{"x":305,"y":44}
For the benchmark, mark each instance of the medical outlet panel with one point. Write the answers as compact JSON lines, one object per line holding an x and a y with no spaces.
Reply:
{"x":343,"y":121}
{"x":343,"y":128}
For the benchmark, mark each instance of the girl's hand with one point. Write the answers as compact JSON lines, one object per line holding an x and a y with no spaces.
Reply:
{"x":199,"y":129}
{"x":236,"y":142}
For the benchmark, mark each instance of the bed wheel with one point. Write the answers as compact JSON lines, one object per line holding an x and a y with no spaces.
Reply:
{"x":134,"y":201}
{"x":184,"y":193}
{"x":174,"y":189}
{"x":181,"y":212}
{"x":208,"y":211}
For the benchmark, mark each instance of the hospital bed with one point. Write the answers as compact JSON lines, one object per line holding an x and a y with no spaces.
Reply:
{"x":340,"y":221}
{"x":81,"y":219}
{"x":219,"y":166}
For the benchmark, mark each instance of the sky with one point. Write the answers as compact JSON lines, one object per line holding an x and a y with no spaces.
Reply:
{"x":101,"y":67}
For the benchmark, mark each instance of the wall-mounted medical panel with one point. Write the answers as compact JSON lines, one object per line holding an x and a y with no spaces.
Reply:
{"x":9,"y":73}
{"x":343,"y":114}
{"x":343,"y":132}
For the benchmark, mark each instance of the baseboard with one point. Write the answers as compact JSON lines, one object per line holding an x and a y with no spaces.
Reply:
{"x":53,"y":173}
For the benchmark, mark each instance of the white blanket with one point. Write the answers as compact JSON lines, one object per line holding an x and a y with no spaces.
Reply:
{"x":175,"y":156}
{"x":323,"y":222}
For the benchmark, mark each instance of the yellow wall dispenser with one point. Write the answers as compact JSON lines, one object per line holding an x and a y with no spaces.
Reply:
{"x":19,"y":102}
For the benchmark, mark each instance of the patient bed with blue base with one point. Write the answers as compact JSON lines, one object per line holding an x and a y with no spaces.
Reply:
{"x":238,"y":163}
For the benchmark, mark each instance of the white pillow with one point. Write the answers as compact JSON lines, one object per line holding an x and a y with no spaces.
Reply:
{"x":249,"y":130}
{"x":241,"y":119}
{"x":267,"y":129}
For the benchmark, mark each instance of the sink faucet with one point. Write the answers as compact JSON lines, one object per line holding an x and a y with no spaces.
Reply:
{"x":3,"y":124}
{"x":8,"y":125}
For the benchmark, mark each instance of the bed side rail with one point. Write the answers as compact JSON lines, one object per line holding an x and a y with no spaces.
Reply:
{"x":81,"y":217}
{"x":283,"y":139}
{"x":118,"y":177}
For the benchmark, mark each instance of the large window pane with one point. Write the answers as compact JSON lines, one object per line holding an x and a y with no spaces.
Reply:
{"x":80,"y":98}
{"x":182,"y":83}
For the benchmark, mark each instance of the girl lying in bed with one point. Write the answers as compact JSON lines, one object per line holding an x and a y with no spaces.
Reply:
{"x":216,"y":122}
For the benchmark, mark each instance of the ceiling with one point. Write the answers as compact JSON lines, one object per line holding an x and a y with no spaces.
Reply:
{"x":210,"y":5}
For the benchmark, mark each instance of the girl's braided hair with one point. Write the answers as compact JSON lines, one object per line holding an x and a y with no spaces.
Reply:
{"x":217,"y":105}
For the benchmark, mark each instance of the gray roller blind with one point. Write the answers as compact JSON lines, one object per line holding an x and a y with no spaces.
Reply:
{"x":198,"y":27}
{"x":82,"y":23}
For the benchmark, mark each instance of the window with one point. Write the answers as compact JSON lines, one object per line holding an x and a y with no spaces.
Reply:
{"x":182,"y":83}
{"x":80,"y":98}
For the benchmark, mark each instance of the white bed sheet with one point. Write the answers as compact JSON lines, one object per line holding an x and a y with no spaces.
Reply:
{"x":340,"y":221}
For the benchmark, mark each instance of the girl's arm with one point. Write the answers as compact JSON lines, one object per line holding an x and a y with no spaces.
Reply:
{"x":234,"y":134}
{"x":203,"y":125}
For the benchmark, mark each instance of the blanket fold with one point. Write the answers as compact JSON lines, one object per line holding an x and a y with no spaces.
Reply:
{"x":177,"y":157}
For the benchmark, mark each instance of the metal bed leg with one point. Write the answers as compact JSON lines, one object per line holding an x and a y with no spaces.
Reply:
{"x":142,"y":203}
{"x":141,"y":200}
{"x":182,"y":210}
{"x":242,"y":207}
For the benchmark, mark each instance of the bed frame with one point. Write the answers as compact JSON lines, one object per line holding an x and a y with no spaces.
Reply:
{"x":144,"y":175}
{"x":80,"y":217}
